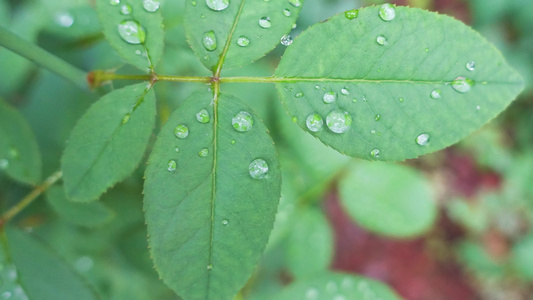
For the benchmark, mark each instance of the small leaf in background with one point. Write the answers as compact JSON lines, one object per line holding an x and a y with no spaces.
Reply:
{"x":309,"y":243}
{"x":19,"y":153}
{"x":253,"y":27}
{"x":522,"y":258}
{"x":83,"y":214}
{"x":388,"y":199}
{"x":336,"y":286}
{"x":43,"y":274}
{"x":108,"y":142}
{"x":381,"y":87}
{"x":134,"y":29}
{"x":211,"y":192}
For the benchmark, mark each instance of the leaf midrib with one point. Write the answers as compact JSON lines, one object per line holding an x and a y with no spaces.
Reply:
{"x":228,"y":41}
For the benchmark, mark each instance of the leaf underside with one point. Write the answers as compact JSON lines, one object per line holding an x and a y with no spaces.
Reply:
{"x":383,"y":74}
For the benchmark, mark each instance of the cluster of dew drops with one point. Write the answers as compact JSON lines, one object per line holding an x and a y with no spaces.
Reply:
{"x":130,"y":30}
{"x":210,"y":40}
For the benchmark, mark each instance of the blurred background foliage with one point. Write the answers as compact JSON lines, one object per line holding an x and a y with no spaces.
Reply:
{"x":456,"y":224}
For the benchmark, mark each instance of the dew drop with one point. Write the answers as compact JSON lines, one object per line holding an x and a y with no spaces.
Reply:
{"x":225,"y":222}
{"x":114,"y":2}
{"x":242,"y":121}
{"x":311,"y":294}
{"x":171,"y":166}
{"x":296,"y":3}
{"x":462,"y":85}
{"x":258,"y":168}
{"x":351,"y":14}
{"x":435,"y":94}
{"x":287,"y":12}
{"x":423,"y":139}
{"x":387,"y":12}
{"x":478,"y":107}
{"x":210,"y":41}
{"x":317,"y":87}
{"x":181,"y":131}
{"x":339,"y":121}
{"x":364,"y":98}
{"x":126,"y":118}
{"x":401,"y":99}
{"x":345,"y":91}
{"x":193,"y":3}
{"x":177,"y":149}
{"x":4,"y":164}
{"x":264,"y":22}
{"x":375,"y":153}
{"x":138,"y":52}
{"x":217,"y":5}
{"x":377,"y":117}
{"x":233,"y":142}
{"x":203,"y":116}
{"x":203,"y":152}
{"x":210,"y":266}
{"x":125,"y":9}
{"x":132,"y":32}
{"x":471,"y":65}
{"x":151,"y":5}
{"x":329,"y":97}
{"x":354,"y":100}
{"x":382,"y":40}
{"x":243,"y":41}
{"x":299,"y":95}
{"x":314,"y":122}
{"x":286,"y":40}
{"x":293,"y":26}
{"x":64,"y":19}
{"x":294,"y":119}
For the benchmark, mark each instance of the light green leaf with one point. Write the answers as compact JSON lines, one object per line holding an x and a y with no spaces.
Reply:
{"x":208,"y":30}
{"x":388,"y":199}
{"x":19,"y":154}
{"x":84,"y":214}
{"x":209,"y":207}
{"x":337,"y":286}
{"x":108,"y":142}
{"x":42,"y":273}
{"x":136,"y":33}
{"x":310,"y":230}
{"x":375,"y":80}
{"x":522,"y":258}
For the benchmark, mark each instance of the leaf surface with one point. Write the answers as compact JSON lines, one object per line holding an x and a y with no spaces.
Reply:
{"x":238,"y":23}
{"x":388,"y":199}
{"x":108,"y":142}
{"x":19,"y":153}
{"x":208,"y":218}
{"x":124,"y":31}
{"x":375,"y":80}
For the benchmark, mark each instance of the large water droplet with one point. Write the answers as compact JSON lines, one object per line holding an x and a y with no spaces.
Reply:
{"x":435,"y":94}
{"x":210,"y":41}
{"x":462,"y":85}
{"x":375,"y":153}
{"x":203,"y":152}
{"x":314,"y":122}
{"x":287,"y":12}
{"x":114,"y":2}
{"x":329,"y":97}
{"x":151,"y":5}
{"x":171,"y":165}
{"x":217,"y":5}
{"x":181,"y":131}
{"x":296,"y":3}
{"x":132,"y":32}
{"x":345,"y":91}
{"x":242,"y":121}
{"x":258,"y":168}
{"x":4,"y":164}
{"x":471,"y":65}
{"x":286,"y":40}
{"x":64,"y":19}
{"x":203,"y":116}
{"x":264,"y":22}
{"x":339,"y":121}
{"x":423,"y":139}
{"x":382,"y":40}
{"x":387,"y":12}
{"x":351,"y":14}
{"x":125,"y":9}
{"x":243,"y":41}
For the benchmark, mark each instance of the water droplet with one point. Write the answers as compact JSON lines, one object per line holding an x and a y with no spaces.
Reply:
{"x":354,"y":100}
{"x":296,"y":3}
{"x":217,"y":5}
{"x":351,"y":14}
{"x":225,"y":222}
{"x":138,"y":52}
{"x":345,"y":91}
{"x":423,"y":139}
{"x":132,"y":32}
{"x":243,"y":41}
{"x":64,"y":19}
{"x":114,"y":2}
{"x":293,"y":26}
{"x":478,"y":107}
{"x":171,"y":166}
{"x":364,"y":98}
{"x":462,"y":85}
{"x":264,"y":22}
{"x":203,"y":116}
{"x":233,"y":142}
{"x":329,"y":97}
{"x":317,"y":87}
{"x":193,"y":3}
{"x":311,"y":294}
{"x":387,"y":12}
{"x":471,"y":65}
{"x":287,"y":12}
{"x":339,"y":121}
{"x":210,"y":266}
{"x":299,"y":95}
{"x":294,"y":119}
{"x":125,"y":9}
{"x":427,"y":50}
{"x":286,"y":40}
{"x":151,"y":5}
{"x":258,"y":168}
{"x":181,"y":131}
{"x":377,"y":117}
{"x":126,"y":118}
{"x":210,"y":41}
{"x":242,"y":121}
{"x":373,"y":131}
{"x":314,"y":122}
{"x":203,"y":152}
{"x":84,"y":264}
{"x":382,"y":40}
{"x":435,"y":94}
{"x":375,"y":153}
{"x":177,"y":149}
{"x":400,"y":99}
{"x":4,"y":163}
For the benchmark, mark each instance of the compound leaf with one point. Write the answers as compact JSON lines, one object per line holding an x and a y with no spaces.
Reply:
{"x":108,"y":142}
{"x":252,"y":27}
{"x":210,"y":200}
{"x":396,"y":89}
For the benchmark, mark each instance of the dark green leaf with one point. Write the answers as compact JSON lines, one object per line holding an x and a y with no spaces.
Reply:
{"x":379,"y":77}
{"x":208,"y":218}
{"x":108,"y":142}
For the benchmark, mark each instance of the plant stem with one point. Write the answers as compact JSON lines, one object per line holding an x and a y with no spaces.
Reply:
{"x":42,"y":57}
{"x":8,"y":215}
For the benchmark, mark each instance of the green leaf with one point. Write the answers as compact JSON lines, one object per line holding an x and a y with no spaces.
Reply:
{"x":208,"y":219}
{"x":108,"y":142}
{"x":522,"y":258}
{"x":380,"y":94}
{"x":336,"y":286}
{"x":19,"y":154}
{"x":388,"y":199}
{"x":84,"y":214}
{"x":208,"y":31}
{"x":42,"y":273}
{"x":138,"y":36}
{"x":310,"y":230}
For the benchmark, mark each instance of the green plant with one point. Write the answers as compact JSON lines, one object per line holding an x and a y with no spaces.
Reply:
{"x":380,"y":83}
